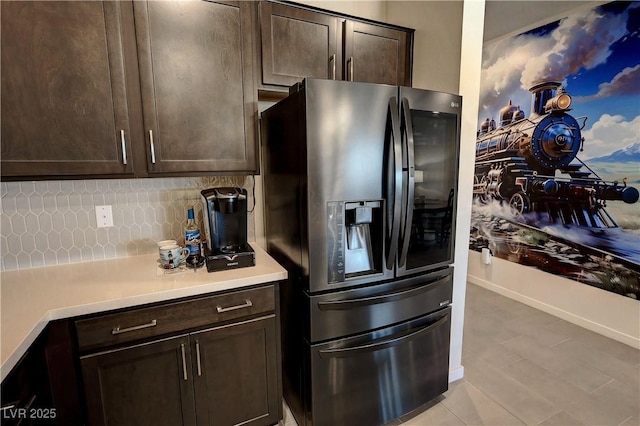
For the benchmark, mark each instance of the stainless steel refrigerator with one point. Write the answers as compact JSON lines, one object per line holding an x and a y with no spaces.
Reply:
{"x":360,"y":200}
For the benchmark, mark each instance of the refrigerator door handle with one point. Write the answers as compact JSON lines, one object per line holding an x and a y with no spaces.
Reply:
{"x":384,"y":344}
{"x":384,"y":297}
{"x":394,"y":188}
{"x":407,"y":139}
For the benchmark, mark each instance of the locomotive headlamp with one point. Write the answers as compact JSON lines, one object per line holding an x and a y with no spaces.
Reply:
{"x":561,"y":102}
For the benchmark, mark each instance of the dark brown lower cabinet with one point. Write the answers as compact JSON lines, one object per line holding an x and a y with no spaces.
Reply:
{"x":141,"y":384}
{"x":235,"y":375}
{"x":226,"y":375}
{"x":25,"y":392}
{"x":42,"y":388}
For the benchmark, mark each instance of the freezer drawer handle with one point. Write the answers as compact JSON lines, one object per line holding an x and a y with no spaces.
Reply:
{"x":393,"y":341}
{"x":380,"y":298}
{"x":247,"y":304}
{"x":119,"y":330}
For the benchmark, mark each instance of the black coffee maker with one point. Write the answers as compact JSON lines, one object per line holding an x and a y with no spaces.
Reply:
{"x":225,"y":216}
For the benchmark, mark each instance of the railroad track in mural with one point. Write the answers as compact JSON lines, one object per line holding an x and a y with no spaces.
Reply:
{"x":605,"y":258}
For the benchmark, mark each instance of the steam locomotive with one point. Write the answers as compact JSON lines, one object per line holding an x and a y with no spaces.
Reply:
{"x":531,"y":163}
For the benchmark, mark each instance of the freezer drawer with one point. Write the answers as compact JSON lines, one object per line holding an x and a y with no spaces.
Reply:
{"x":373,"y":378}
{"x":359,"y":310}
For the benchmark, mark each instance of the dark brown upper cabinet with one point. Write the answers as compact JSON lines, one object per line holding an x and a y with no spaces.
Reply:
{"x":199,"y":98}
{"x":376,"y":54}
{"x":64,"y":98}
{"x":299,"y":42}
{"x":124,"y":89}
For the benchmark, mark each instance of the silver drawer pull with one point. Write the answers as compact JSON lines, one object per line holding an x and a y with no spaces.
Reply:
{"x":184,"y":362}
{"x":198,"y":358}
{"x":247,"y":304}
{"x":119,"y":330}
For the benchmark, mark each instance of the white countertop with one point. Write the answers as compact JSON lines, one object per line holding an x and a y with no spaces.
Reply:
{"x":30,"y":298}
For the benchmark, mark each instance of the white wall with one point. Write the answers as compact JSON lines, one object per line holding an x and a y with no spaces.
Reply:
{"x":504,"y":18}
{"x":470,"y":63}
{"x":369,"y":9}
{"x":437,"y":40}
{"x":601,"y":311}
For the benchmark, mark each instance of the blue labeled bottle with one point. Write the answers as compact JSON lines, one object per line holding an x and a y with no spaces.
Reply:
{"x":192,"y":239}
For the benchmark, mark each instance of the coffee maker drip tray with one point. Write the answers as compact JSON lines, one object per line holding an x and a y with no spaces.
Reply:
{"x":233,"y":249}
{"x":230,"y":257}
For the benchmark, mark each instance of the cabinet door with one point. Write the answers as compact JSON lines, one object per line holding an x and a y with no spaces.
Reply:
{"x":148,"y":384}
{"x":376,"y":54}
{"x":27,"y":388}
{"x":236,"y":374}
{"x":64,"y":106}
{"x":299,"y":43}
{"x":197,"y":81}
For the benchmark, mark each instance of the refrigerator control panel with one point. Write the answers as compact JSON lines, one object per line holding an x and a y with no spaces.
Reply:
{"x":335,"y":242}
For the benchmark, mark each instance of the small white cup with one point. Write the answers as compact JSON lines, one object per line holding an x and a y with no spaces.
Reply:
{"x":172,"y":255}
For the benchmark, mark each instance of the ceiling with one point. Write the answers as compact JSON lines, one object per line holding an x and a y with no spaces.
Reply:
{"x":503,"y":18}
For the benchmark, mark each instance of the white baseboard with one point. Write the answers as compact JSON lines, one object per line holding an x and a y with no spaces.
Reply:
{"x":456,"y":374}
{"x":560,"y":313}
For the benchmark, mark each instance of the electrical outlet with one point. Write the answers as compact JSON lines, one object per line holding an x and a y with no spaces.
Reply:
{"x":104,"y":216}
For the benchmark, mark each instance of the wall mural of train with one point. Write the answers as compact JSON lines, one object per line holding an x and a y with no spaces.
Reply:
{"x":538,"y":199}
{"x":529,"y":162}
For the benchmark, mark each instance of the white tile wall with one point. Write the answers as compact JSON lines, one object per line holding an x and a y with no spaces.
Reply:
{"x":53,"y":222}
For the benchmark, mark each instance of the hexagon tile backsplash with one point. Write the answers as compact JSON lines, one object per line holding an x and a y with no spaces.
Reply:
{"x":54,"y":222}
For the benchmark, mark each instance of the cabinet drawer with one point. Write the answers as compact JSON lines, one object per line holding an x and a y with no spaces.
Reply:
{"x":113,"y":329}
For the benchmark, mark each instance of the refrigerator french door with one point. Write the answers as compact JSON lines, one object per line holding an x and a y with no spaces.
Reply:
{"x":429,"y":127}
{"x":373,"y":165}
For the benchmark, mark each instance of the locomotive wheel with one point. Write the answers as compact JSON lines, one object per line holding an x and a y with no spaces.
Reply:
{"x":520,"y":202}
{"x":485,"y":197}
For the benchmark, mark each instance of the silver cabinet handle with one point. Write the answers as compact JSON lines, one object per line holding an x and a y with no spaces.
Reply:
{"x":119,"y":330}
{"x":247,"y":304}
{"x":198,"y":358}
{"x":332,"y":61}
{"x":30,"y":403}
{"x":184,"y":362}
{"x":124,"y":147}
{"x":153,"y":147}
{"x":351,"y":68}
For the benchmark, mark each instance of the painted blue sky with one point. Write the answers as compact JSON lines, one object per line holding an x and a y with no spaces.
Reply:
{"x":595,"y":52}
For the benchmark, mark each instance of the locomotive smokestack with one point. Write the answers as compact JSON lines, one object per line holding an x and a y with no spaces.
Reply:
{"x":541,"y":92}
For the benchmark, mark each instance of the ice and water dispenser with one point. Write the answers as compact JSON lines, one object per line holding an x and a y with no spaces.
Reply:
{"x":354,"y":239}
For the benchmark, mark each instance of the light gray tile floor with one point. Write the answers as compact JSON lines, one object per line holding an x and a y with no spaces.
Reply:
{"x":524,"y":366}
